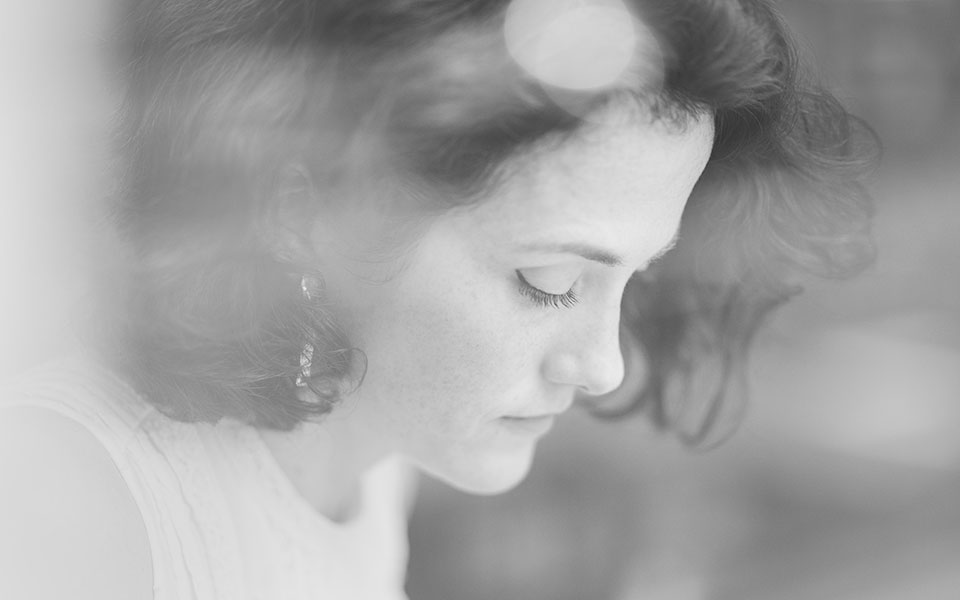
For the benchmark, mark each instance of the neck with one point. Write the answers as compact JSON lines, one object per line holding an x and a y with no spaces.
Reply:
{"x":325,"y":462}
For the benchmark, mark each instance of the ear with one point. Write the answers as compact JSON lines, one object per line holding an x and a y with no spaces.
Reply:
{"x":292,"y":215}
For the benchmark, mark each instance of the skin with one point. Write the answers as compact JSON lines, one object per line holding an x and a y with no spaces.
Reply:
{"x":467,"y":366}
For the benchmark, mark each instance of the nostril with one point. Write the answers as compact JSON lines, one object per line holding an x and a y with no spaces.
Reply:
{"x":606,"y":375}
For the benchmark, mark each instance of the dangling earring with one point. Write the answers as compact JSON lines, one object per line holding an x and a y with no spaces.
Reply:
{"x":310,"y":287}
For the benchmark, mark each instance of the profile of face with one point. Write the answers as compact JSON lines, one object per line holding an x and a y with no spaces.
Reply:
{"x":505,"y":311}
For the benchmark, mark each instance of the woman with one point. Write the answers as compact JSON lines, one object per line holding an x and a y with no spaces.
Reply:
{"x":364,"y":236}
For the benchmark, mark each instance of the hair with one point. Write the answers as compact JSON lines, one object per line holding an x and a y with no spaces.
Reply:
{"x":244,"y":118}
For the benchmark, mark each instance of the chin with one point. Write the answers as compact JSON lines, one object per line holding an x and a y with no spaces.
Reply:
{"x":488,"y":476}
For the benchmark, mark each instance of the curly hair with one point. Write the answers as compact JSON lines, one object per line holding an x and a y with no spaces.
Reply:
{"x":241,"y":113}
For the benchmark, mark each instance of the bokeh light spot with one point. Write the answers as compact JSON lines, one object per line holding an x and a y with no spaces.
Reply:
{"x":577,"y":45}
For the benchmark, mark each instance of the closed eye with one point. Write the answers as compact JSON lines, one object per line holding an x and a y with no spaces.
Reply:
{"x":568,"y":299}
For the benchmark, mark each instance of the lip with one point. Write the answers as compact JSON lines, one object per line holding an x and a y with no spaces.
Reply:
{"x":548,"y":410}
{"x":538,"y":425}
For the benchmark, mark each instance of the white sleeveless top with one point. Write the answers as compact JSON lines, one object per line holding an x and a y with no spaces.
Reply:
{"x":223,"y":520}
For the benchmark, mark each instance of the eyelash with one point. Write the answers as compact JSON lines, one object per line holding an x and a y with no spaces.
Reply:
{"x":568,"y":299}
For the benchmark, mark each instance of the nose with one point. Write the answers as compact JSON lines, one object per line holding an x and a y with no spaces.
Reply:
{"x":589,"y":357}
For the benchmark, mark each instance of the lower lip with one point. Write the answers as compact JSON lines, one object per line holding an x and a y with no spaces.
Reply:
{"x":527,"y":426}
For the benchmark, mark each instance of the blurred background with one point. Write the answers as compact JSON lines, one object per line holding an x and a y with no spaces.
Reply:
{"x":844,"y":480}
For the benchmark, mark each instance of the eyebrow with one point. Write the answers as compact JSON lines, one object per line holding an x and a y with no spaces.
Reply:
{"x":595,"y":254}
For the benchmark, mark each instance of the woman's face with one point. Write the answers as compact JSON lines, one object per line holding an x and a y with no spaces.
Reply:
{"x":506,"y":311}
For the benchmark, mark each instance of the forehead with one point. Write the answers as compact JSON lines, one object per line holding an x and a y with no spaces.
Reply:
{"x":621,"y":183}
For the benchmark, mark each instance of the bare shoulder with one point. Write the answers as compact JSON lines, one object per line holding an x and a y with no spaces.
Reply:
{"x":69,"y":527}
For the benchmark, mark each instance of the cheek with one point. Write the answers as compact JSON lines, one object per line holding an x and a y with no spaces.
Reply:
{"x":450,"y":358}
